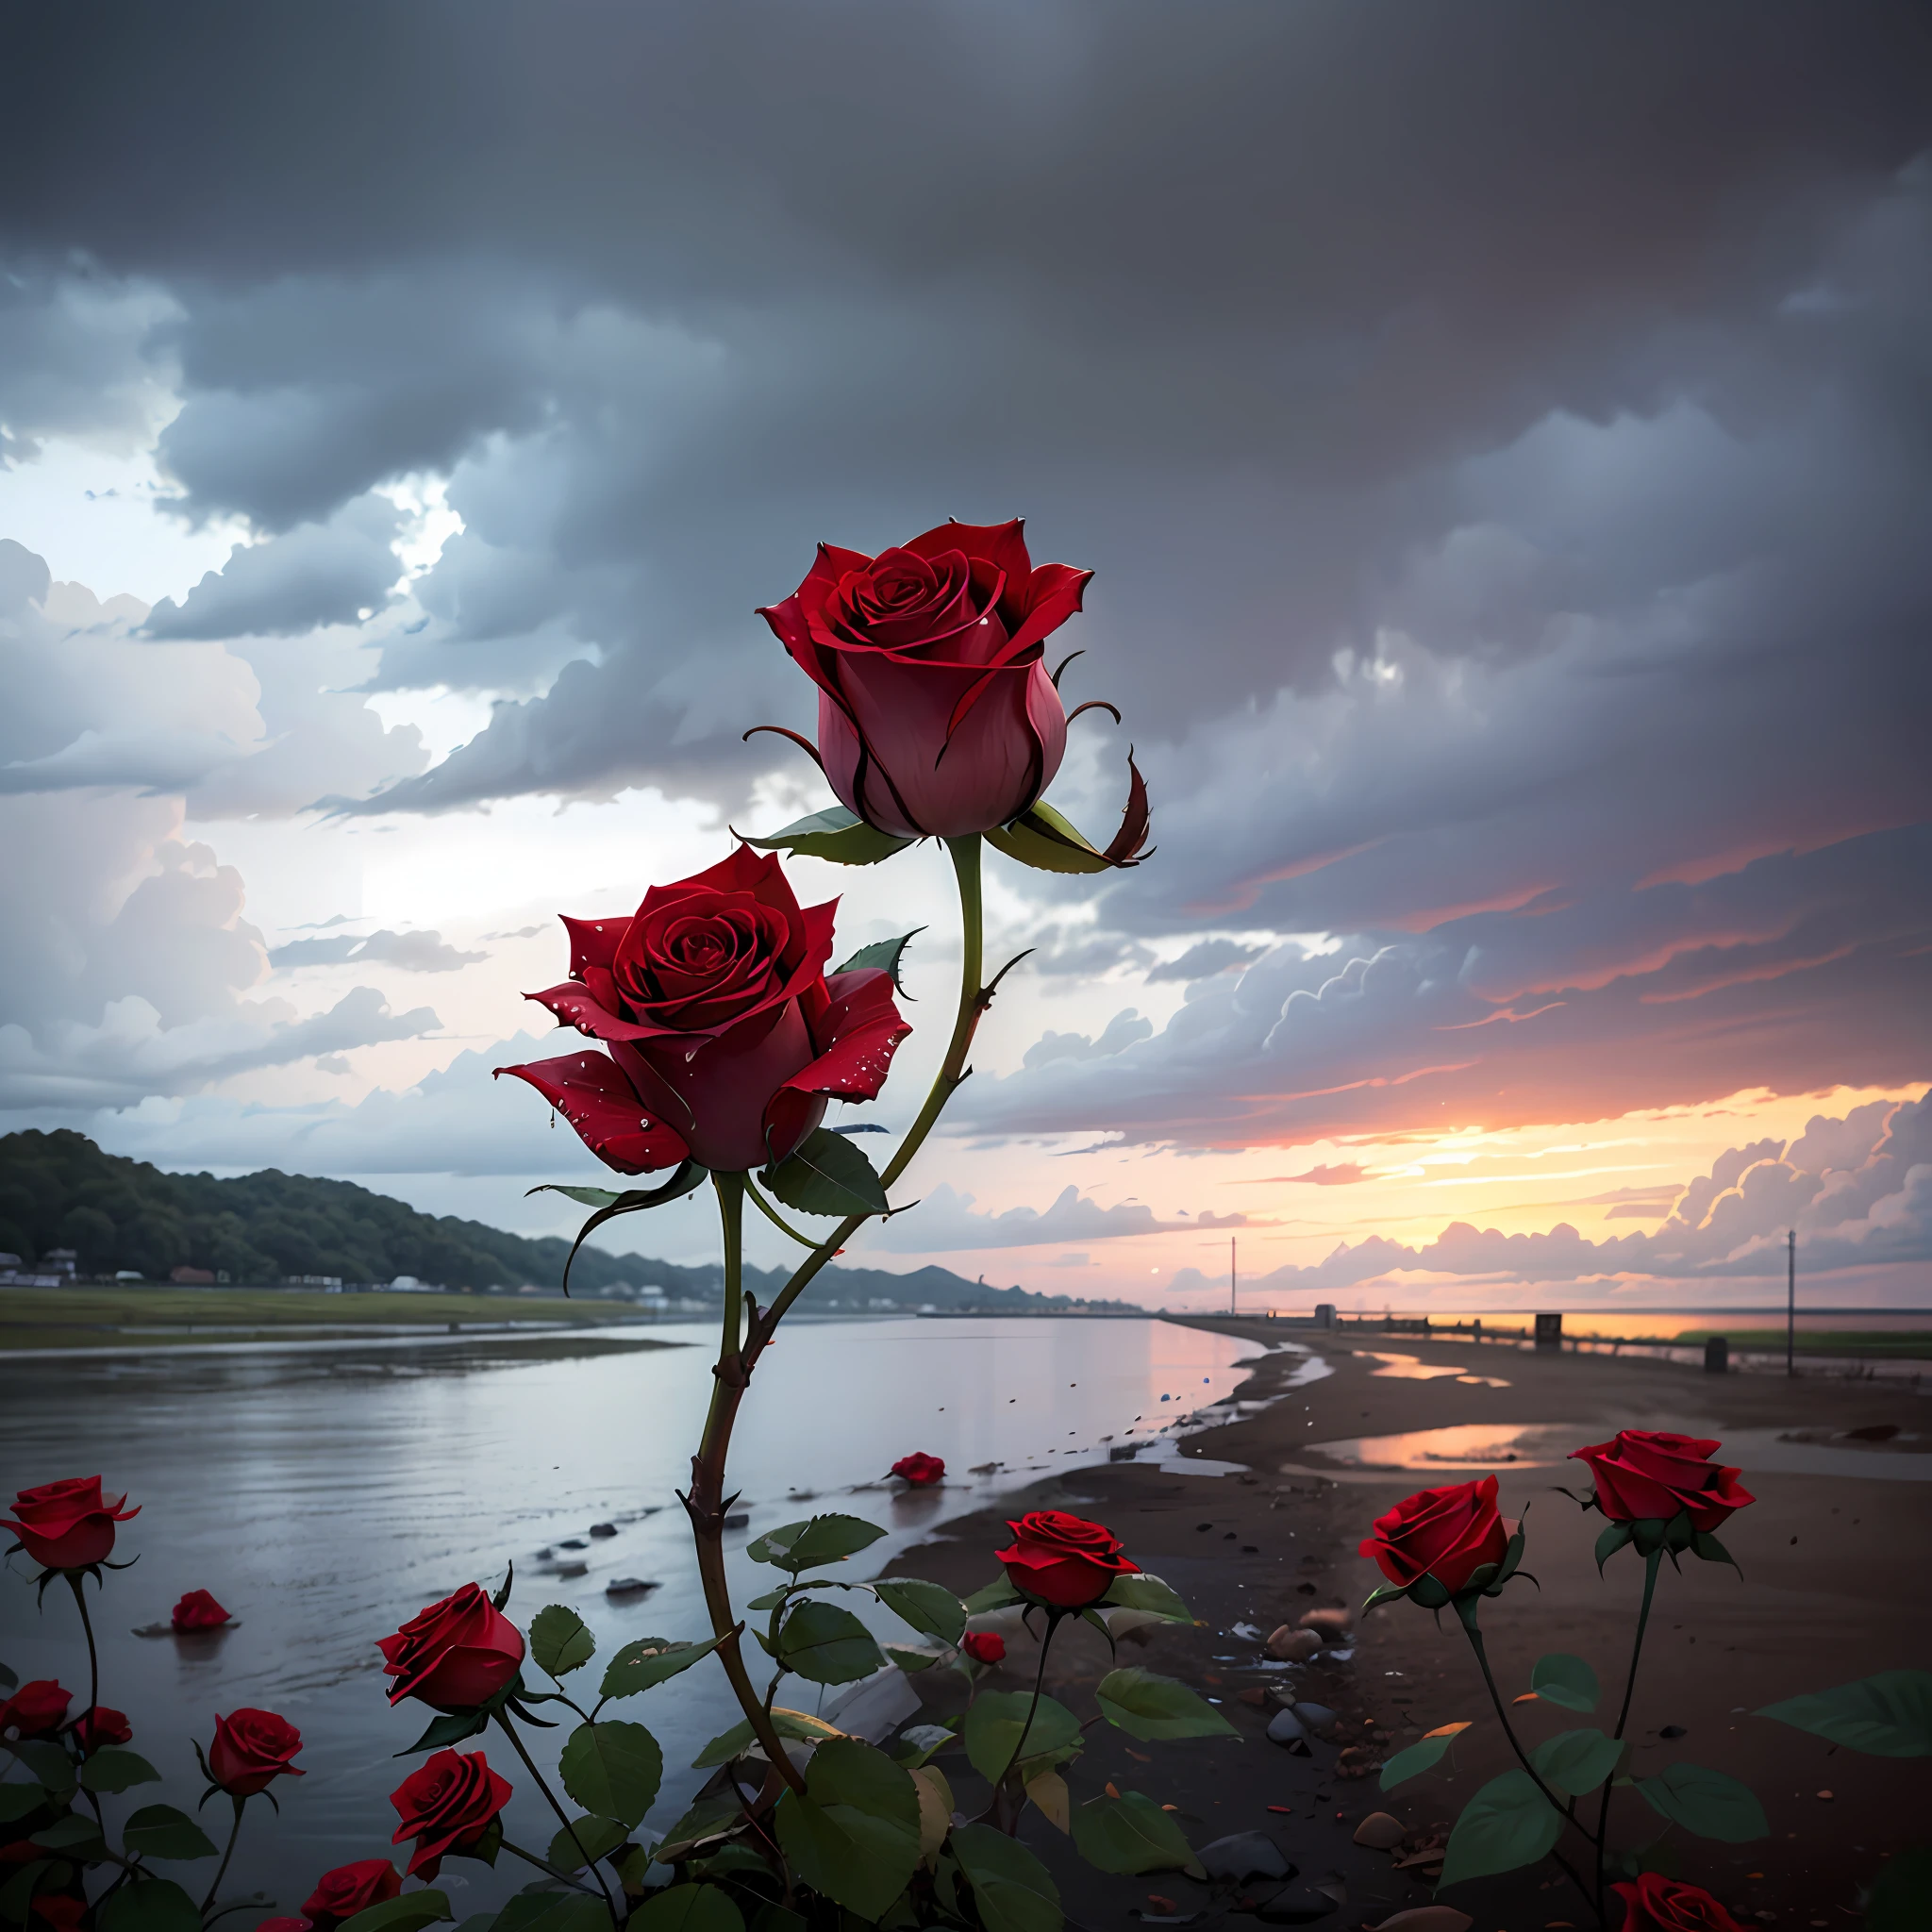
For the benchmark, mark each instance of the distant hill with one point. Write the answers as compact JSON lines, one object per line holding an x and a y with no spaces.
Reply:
{"x":59,"y":1190}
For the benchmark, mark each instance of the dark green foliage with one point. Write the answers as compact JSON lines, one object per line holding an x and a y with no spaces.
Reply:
{"x":59,"y":1190}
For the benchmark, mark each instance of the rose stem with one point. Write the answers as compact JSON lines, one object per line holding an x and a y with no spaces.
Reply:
{"x":544,"y":1865}
{"x":221,"y":1870}
{"x":1053,"y":1623}
{"x":704,"y":1505}
{"x":973,"y":1001}
{"x":1651,"y":1565}
{"x":76,"y":1581}
{"x":562,"y":1816}
{"x":1475,"y":1639}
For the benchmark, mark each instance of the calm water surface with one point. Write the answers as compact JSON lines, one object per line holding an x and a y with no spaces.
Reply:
{"x":326,"y":1494}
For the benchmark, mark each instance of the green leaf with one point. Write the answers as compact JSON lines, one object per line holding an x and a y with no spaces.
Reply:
{"x":738,"y":1739}
{"x":1566,"y":1681}
{"x":1013,"y":1891}
{"x":687,"y":1909}
{"x":548,"y":1911}
{"x":612,"y":1768}
{"x":855,"y":1834}
{"x":995,"y":1720}
{"x":772,"y":1598}
{"x":796,"y":1546}
{"x":686,"y":1175}
{"x":560,"y":1641}
{"x":1900,"y":1899}
{"x":1047,"y":842}
{"x":919,"y":1743}
{"x":1147,"y":1594}
{"x":649,"y":1660}
{"x":598,"y":1838}
{"x":828,"y":1174}
{"x":51,"y":1766}
{"x":709,"y":1818}
{"x":1887,"y":1716}
{"x":995,"y":1595}
{"x":1609,"y":1543}
{"x":65,"y":1833}
{"x":1508,"y":1823}
{"x":1146,"y":1706}
{"x":1711,"y":1803}
{"x":1573,"y":1762}
{"x":827,"y":1644}
{"x":151,"y":1905}
{"x":159,"y":1831}
{"x":929,"y":1607}
{"x":1130,"y":1834}
{"x":908,"y":1659}
{"x":114,"y":1771}
{"x":404,"y":1913}
{"x":583,"y":1197}
{"x":836,"y":834}
{"x":451,"y":1728}
{"x":1414,"y":1762}
{"x":17,"y":1801}
{"x":883,"y":954}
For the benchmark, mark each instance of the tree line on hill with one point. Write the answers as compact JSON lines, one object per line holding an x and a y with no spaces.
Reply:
{"x":61,"y":1190}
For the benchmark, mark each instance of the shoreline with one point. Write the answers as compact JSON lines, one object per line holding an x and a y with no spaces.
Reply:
{"x":1837,"y":1568}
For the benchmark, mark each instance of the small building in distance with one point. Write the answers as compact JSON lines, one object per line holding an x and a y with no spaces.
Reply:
{"x":185,"y":1277}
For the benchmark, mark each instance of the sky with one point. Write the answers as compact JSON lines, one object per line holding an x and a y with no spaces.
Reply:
{"x":1502,"y":436}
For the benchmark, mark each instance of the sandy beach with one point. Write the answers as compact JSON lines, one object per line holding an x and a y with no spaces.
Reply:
{"x":1834,"y":1560}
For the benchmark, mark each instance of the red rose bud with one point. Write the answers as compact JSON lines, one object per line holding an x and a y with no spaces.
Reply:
{"x":1651,"y":1475}
{"x":447,"y":1806}
{"x":918,"y":1469}
{"x":1448,"y":1534}
{"x":936,"y":713}
{"x":62,"y":1914}
{"x":35,"y":1710}
{"x":984,"y":1646}
{"x":198,"y":1610}
{"x":348,"y":1889}
{"x":455,"y":1656}
{"x":68,"y":1525}
{"x":1062,"y":1561}
{"x":251,"y":1749}
{"x":1656,"y":1904}
{"x":726,"y":1037}
{"x":100,"y":1726}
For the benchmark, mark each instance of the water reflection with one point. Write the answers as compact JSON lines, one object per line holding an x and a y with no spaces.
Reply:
{"x":323,"y":1495}
{"x":1412,"y":1368}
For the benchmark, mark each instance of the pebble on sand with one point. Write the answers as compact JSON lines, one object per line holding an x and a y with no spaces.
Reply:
{"x":1332,"y":1626}
{"x":1380,"y":1832}
{"x":1289,"y":1646}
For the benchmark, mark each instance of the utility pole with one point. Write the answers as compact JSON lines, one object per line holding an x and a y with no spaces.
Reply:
{"x":1792,"y":1302}
{"x":1233,"y":1307}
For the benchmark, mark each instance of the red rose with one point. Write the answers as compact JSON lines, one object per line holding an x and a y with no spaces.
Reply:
{"x":1064,"y":1560}
{"x":447,"y":1807}
{"x":455,"y":1655}
{"x":726,"y":1036}
{"x":1650,"y":1474}
{"x":1447,"y":1534}
{"x":251,"y":1748}
{"x":93,"y":1728}
{"x":67,"y":1525}
{"x":345,"y":1890}
{"x":1656,"y":1904}
{"x":936,"y":713}
{"x":35,"y":1710}
{"x":984,"y":1646}
{"x":63,"y":1914}
{"x":920,"y":1468}
{"x":285,"y":1926}
{"x":198,"y":1610}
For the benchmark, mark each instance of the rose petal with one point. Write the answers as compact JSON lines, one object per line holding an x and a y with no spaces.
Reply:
{"x":590,"y":1092}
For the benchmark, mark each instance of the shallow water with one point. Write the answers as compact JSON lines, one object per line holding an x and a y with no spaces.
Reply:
{"x":324,"y":1494}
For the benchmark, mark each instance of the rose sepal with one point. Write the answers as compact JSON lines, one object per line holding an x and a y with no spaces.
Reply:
{"x":686,"y":1176}
{"x":1611,"y":1541}
{"x":452,"y":1726}
{"x":1383,"y":1593}
{"x":1705,"y":1545}
{"x":836,"y":834}
{"x":1048,"y":842}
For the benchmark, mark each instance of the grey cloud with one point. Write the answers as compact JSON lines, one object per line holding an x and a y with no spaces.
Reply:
{"x":1121,"y":1032}
{"x":945,"y":1220}
{"x":315,"y":575}
{"x":415,"y":952}
{"x":1204,"y":958}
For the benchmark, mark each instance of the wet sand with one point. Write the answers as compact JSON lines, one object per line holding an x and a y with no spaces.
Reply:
{"x":1836,"y":1571}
